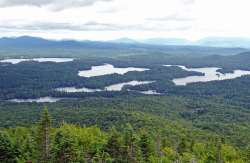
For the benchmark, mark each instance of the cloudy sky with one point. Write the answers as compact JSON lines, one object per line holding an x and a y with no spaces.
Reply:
{"x":111,"y":19}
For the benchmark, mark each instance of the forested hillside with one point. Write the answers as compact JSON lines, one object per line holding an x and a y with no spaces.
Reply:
{"x":72,"y":143}
{"x":170,"y":120}
{"x":201,"y":122}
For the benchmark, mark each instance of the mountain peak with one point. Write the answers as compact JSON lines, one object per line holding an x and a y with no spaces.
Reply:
{"x":124,"y":40}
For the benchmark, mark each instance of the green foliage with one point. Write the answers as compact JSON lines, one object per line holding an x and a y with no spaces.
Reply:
{"x":147,"y":147}
{"x":71,"y":143}
{"x":114,"y":146}
{"x":131,"y":141}
{"x":74,"y":143}
{"x":8,"y":153}
{"x":44,"y":136}
{"x":65,"y":148}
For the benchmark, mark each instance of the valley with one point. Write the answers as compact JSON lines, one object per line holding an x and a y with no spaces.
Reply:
{"x":200,"y":98}
{"x":124,"y":81}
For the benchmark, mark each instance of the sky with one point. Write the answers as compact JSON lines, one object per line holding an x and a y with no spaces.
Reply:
{"x":135,"y":19}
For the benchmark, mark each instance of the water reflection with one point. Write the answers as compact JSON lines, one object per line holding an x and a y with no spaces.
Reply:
{"x":38,"y":100}
{"x":119,"y":87}
{"x":56,"y":60}
{"x":209,"y":74}
{"x":108,"y":69}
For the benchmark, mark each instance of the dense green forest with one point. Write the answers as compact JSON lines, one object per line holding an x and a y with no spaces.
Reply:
{"x":72,"y":143}
{"x":201,"y":122}
{"x":174,"y":118}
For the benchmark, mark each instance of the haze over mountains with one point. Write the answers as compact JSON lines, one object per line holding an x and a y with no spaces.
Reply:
{"x":207,"y":42}
{"x":168,"y":46}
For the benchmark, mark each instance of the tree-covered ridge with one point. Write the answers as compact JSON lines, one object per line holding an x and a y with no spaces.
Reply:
{"x":74,"y":144}
{"x":215,"y":115}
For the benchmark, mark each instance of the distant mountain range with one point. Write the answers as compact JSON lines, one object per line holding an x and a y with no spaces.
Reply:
{"x":27,"y":41}
{"x":33,"y":42}
{"x":125,"y":41}
{"x":224,"y":42}
{"x":123,"y":45}
{"x":209,"y":41}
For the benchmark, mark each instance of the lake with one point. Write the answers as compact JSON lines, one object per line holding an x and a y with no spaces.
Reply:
{"x":107,"y":69}
{"x":210,"y":74}
{"x":56,"y":60}
{"x":150,"y":92}
{"x":114,"y":87}
{"x":38,"y":100}
{"x":77,"y":90}
{"x":119,"y":87}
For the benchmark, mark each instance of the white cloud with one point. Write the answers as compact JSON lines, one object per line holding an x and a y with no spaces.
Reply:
{"x":84,"y":19}
{"x":51,"y":4}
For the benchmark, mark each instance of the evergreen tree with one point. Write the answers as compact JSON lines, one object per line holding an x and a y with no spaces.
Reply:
{"x":114,"y":146}
{"x":147,"y":147}
{"x":64,"y":148}
{"x":182,"y":147}
{"x":131,"y":142}
{"x":44,"y":136}
{"x":158,"y":146}
{"x":29,"y":148}
{"x":218,"y":151}
{"x":8,"y":154}
{"x":248,"y":153}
